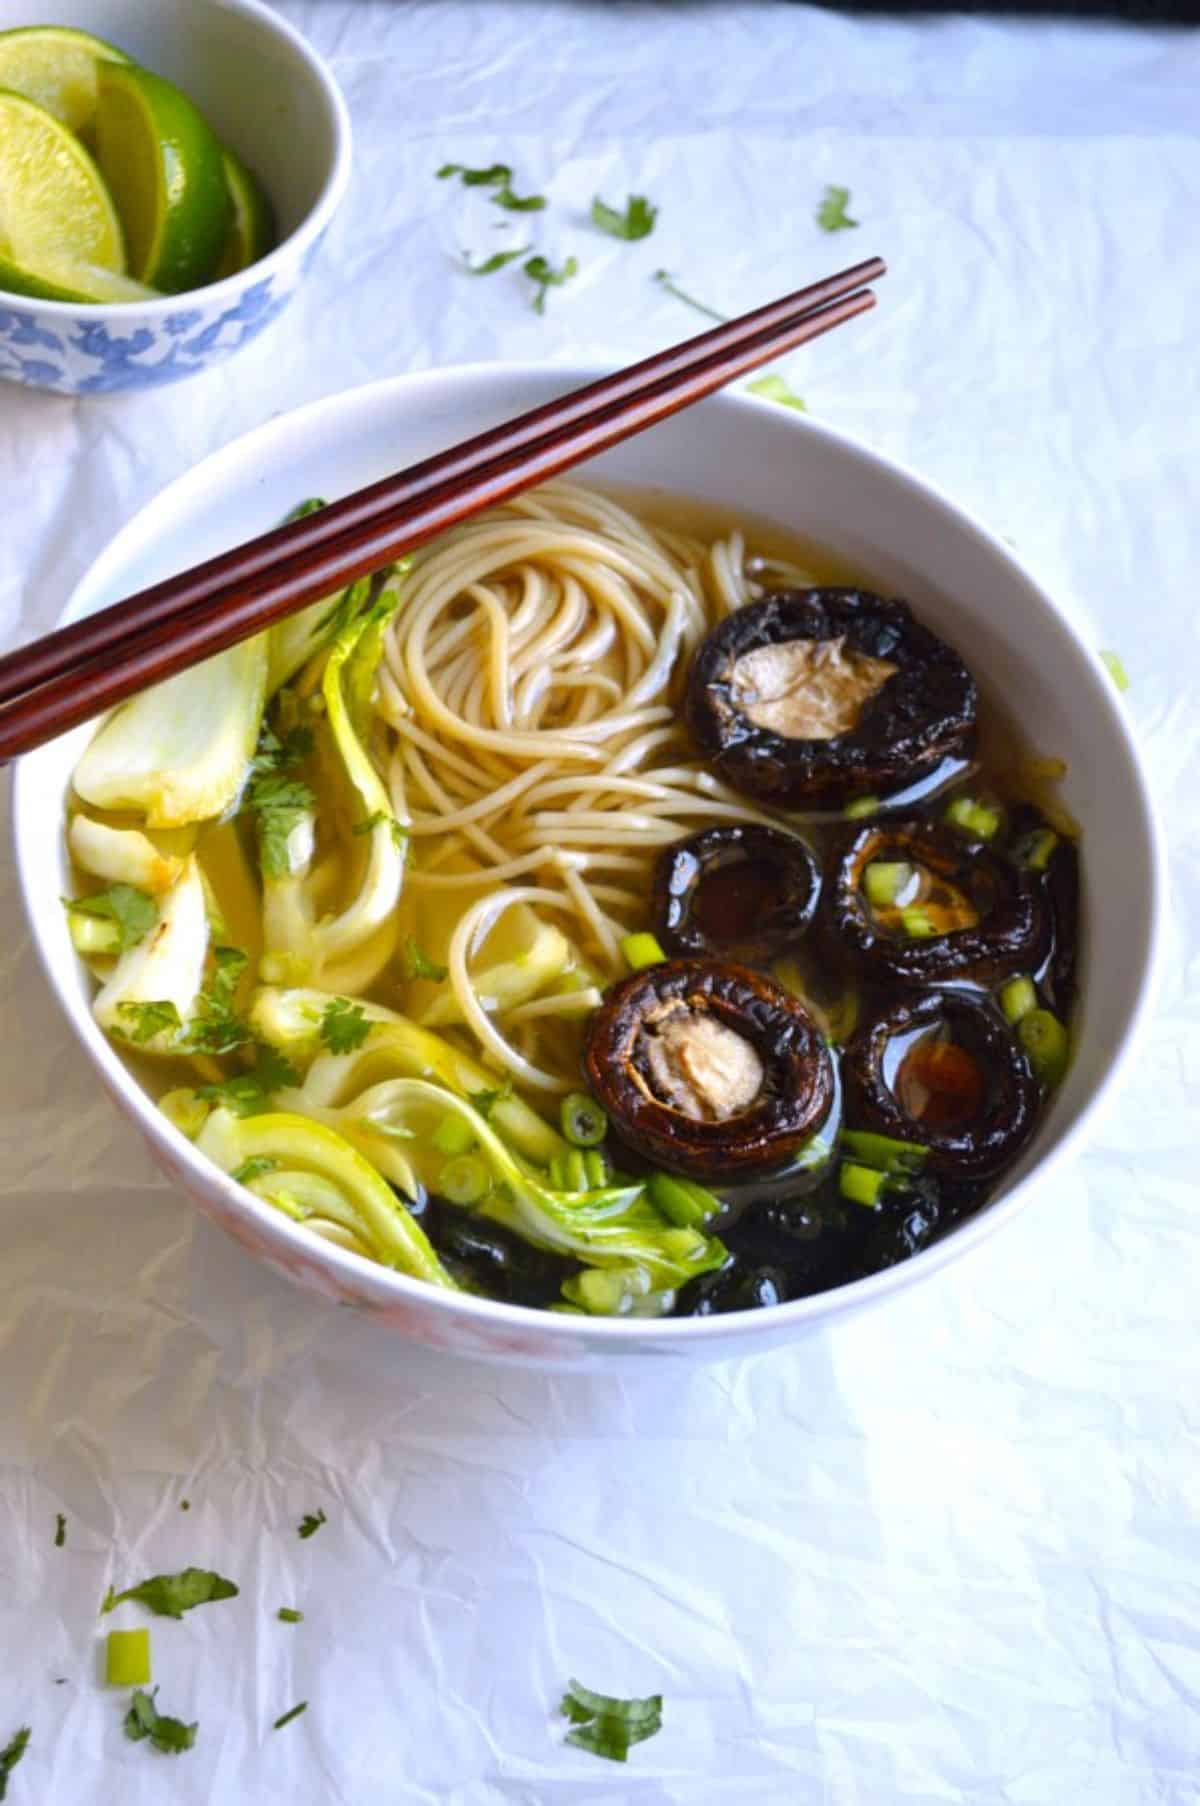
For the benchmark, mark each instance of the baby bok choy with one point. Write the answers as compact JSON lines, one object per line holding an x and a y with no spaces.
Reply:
{"x":310,"y":1173}
{"x":345,"y":950}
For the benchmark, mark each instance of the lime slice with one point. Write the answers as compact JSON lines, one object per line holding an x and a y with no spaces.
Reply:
{"x":167,"y":176}
{"x":56,"y":66}
{"x":65,"y":280}
{"x":53,"y":202}
{"x":252,"y":230}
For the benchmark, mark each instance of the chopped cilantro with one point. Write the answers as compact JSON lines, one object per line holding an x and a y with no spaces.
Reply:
{"x":60,"y":1530}
{"x":416,"y":963}
{"x":186,"y":1504}
{"x":216,"y":1028}
{"x":637,"y":221}
{"x":485,"y":1101}
{"x":310,"y":1523}
{"x":287,"y":1717}
{"x":607,"y":1726}
{"x":772,"y":387}
{"x":547,"y":277}
{"x":254,"y":1168}
{"x":143,"y":1719}
{"x":344,"y":1026}
{"x":275,"y":754}
{"x":249,"y":1093}
{"x":518,"y":203}
{"x":381,"y":817}
{"x":279,"y":803}
{"x":495,"y":174}
{"x":287,"y":1614}
{"x":495,"y":262}
{"x":666,"y":281}
{"x":11,"y":1754}
{"x":831,"y":214}
{"x":132,"y":911}
{"x":170,"y":1595}
{"x":146,"y":1020}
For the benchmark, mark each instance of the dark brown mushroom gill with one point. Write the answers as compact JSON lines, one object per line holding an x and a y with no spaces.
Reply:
{"x":945,"y":1071}
{"x":740,"y":890}
{"x":812,"y":697}
{"x":709,"y":1069}
{"x":980,"y":915}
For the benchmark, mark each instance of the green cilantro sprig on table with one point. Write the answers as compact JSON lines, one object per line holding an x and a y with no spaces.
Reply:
{"x":637,"y":221}
{"x":144,"y":1720}
{"x":310,"y":1523}
{"x":831,"y":214}
{"x":496,"y":261}
{"x":499,"y":177}
{"x":547,"y":277}
{"x":668,"y":284}
{"x":11,"y":1754}
{"x":60,"y":1530}
{"x":170,"y":1595}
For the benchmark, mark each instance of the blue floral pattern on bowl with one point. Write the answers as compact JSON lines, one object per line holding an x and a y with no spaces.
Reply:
{"x":80,"y":354}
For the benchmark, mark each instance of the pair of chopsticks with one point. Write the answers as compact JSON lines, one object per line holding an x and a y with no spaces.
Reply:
{"x":81,"y":670}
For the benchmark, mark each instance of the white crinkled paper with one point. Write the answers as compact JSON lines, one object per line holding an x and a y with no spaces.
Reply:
{"x":945,"y":1552}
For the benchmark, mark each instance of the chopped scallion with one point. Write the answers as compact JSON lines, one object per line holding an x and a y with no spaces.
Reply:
{"x":916,"y":923}
{"x":464,"y":1181}
{"x":641,"y":950}
{"x":1116,"y":670}
{"x":974,"y":817}
{"x":287,"y":1614}
{"x":1017,"y":998}
{"x":885,"y":881}
{"x":686,"y":1204}
{"x":596,"y":1168}
{"x":127,"y":1658}
{"x":1047,"y":1044}
{"x":884,"y":1152}
{"x":1036,"y":849}
{"x":584,"y":1122}
{"x":453,"y":1135}
{"x":860,"y":1184}
{"x":861,"y":808}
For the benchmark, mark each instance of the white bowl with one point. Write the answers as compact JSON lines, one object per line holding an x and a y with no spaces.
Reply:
{"x":267,"y":95}
{"x":774,"y":463}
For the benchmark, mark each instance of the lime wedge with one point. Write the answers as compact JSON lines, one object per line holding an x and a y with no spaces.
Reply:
{"x":252,"y":230}
{"x":165,"y":169}
{"x":65,"y":280}
{"x":56,"y":66}
{"x":53,"y":201}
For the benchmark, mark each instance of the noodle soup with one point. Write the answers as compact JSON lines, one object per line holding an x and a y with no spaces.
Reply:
{"x":606,"y":911}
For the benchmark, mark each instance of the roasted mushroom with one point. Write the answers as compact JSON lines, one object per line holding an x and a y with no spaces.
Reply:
{"x":813,"y":697}
{"x":708,"y":1069}
{"x":919,"y":904}
{"x":945,"y":1072}
{"x":744,"y":891}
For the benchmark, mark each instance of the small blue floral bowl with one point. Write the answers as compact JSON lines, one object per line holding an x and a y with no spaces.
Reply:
{"x":272,"y":99}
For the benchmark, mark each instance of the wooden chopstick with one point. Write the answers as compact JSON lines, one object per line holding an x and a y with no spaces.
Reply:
{"x":148,"y":637}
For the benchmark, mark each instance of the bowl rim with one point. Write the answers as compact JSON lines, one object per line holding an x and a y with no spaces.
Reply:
{"x":328,"y":200}
{"x":611,"y":1333}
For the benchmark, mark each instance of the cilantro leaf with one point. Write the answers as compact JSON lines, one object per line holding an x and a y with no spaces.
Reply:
{"x":288,"y":1614}
{"x":416,"y":963}
{"x":170,"y":1595}
{"x":772,"y":387}
{"x":249,"y":1093}
{"x":279,"y":802}
{"x":370,"y":822}
{"x":666,"y":281}
{"x":131,"y":910}
{"x":275,"y":754}
{"x":495,"y":173}
{"x":518,"y":203}
{"x":547,"y":277}
{"x":254,"y":1167}
{"x":287,"y":1717}
{"x":607,"y":1726}
{"x":485,"y":1101}
{"x":495,"y":262}
{"x":831,"y":214}
{"x":11,"y":1754}
{"x":637,"y":221}
{"x":216,"y":1028}
{"x":143,"y":1719}
{"x":344,"y":1025}
{"x":146,"y":1020}
{"x":310,"y":1523}
{"x":60,"y":1530}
